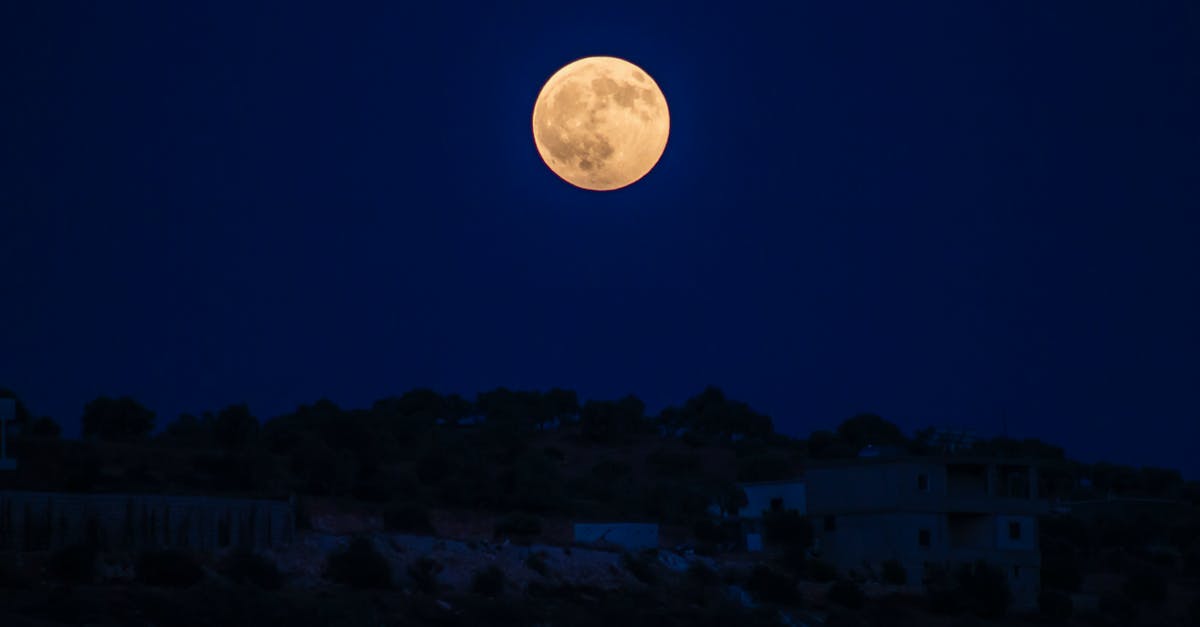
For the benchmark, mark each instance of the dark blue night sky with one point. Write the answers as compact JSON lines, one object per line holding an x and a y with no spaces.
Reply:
{"x":945,"y":213}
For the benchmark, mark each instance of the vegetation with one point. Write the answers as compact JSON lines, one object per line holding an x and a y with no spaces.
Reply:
{"x":529,"y":459}
{"x":359,"y":566}
{"x":407,"y":518}
{"x":73,"y":564}
{"x":168,"y":569}
{"x":488,"y":582}
{"x":246,"y":567}
{"x":846,"y":594}
{"x":893,"y":573}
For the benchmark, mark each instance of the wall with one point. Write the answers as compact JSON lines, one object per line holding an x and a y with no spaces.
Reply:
{"x":629,"y":536}
{"x":873,"y":486}
{"x":31,"y":521}
{"x":1028,"y":539}
{"x":792,"y":495}
{"x":862,"y":542}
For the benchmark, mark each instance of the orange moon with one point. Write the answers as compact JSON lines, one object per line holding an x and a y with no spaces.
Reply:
{"x":601,"y":123}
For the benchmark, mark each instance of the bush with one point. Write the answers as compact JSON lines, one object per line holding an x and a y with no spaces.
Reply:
{"x":985,"y":588}
{"x":700,"y":574}
{"x":423,"y":573}
{"x":1118,"y":608}
{"x":1194,"y":610}
{"x":847,"y":594}
{"x":794,"y":559}
{"x":1060,"y":571}
{"x":407,"y":518}
{"x":1055,"y":606}
{"x":73,"y":564}
{"x":771,"y":586}
{"x":894,"y":573}
{"x":359,"y":566}
{"x":169,"y":569}
{"x":1146,"y":587}
{"x":641,"y":566}
{"x":820,"y":570}
{"x":787,"y":529}
{"x":537,"y":563}
{"x":488,"y":582}
{"x":245,"y":567}
{"x":518,"y":526}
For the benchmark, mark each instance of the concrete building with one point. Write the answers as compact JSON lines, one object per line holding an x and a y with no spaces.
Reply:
{"x":929,"y":512}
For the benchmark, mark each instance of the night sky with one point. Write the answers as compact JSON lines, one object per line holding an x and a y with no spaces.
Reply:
{"x":947,"y":213}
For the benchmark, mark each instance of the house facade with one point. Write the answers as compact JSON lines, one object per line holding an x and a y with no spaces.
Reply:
{"x":927,"y":513}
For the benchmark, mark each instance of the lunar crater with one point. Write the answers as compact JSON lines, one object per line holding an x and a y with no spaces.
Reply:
{"x":600,"y":123}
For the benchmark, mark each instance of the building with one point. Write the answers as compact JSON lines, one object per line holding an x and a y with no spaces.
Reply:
{"x":927,"y":513}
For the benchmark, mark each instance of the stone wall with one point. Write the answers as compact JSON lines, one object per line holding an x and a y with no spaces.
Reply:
{"x":35,"y":521}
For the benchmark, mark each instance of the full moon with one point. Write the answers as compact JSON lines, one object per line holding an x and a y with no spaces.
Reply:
{"x":601,"y":123}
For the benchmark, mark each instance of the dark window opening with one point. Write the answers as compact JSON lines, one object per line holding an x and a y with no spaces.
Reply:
{"x":830,"y":523}
{"x":923,"y":482}
{"x":924,"y":538}
{"x":777,"y":505}
{"x":1014,"y":530}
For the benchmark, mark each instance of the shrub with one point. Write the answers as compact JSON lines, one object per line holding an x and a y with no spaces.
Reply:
{"x":488,"y":582}
{"x":641,"y":566}
{"x":839,"y":617}
{"x":894,"y":573}
{"x":985,"y":588}
{"x":772,"y":586}
{"x":245,"y":567}
{"x":820,"y":570}
{"x":708,"y":532}
{"x":794,"y":559}
{"x":1194,"y":610}
{"x":847,"y":594}
{"x":787,"y":529}
{"x":1117,"y":608}
{"x":518,"y":526}
{"x":700,"y":574}
{"x":169,"y":569}
{"x":537,"y":563}
{"x":73,"y":564}
{"x":1060,"y":571}
{"x":359,"y":566}
{"x":423,"y":573}
{"x":407,"y":518}
{"x":1055,"y":606}
{"x":1146,"y":587}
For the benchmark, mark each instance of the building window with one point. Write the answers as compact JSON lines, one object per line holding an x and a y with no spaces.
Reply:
{"x":830,"y":523}
{"x":1014,"y":530}
{"x":924,"y":538}
{"x":923,"y":482}
{"x":777,"y":504}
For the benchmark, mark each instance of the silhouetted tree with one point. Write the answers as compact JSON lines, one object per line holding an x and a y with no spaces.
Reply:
{"x":824,"y":444}
{"x":116,"y":419}
{"x":711,"y":414}
{"x":611,"y":421}
{"x":866,"y":430}
{"x":45,"y":427}
{"x":234,"y":427}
